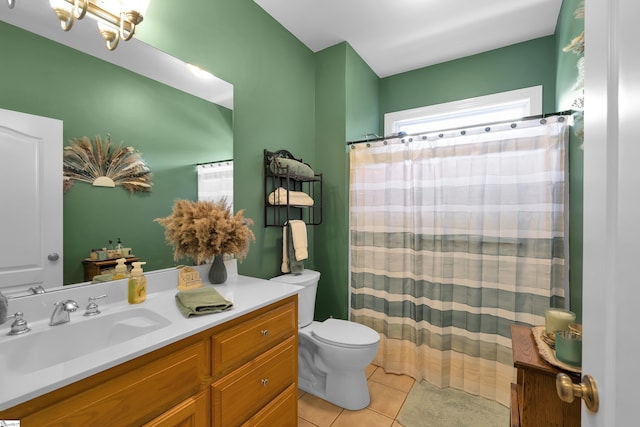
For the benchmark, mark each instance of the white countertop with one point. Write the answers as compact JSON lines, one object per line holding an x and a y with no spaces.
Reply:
{"x":246,"y":293}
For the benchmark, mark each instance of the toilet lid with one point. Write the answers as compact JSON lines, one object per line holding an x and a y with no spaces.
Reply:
{"x":345,"y":333}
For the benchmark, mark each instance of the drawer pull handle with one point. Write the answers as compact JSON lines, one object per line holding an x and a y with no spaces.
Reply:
{"x":264,"y":332}
{"x":265,"y":382}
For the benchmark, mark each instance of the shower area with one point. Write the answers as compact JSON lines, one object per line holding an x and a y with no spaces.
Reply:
{"x":454,"y":236}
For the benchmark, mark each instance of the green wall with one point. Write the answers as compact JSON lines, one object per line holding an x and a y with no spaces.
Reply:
{"x":331,"y":246}
{"x":172,"y":130}
{"x":273,"y":75}
{"x":521,"y":65}
{"x":566,"y":75}
{"x":346,"y":108}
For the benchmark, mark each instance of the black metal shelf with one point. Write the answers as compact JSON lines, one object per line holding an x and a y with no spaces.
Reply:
{"x":277,"y":215}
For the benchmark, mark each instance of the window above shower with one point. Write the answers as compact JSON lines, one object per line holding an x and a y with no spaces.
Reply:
{"x":497,"y":107}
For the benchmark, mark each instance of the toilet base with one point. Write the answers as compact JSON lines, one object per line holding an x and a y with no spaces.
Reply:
{"x":349,"y":390}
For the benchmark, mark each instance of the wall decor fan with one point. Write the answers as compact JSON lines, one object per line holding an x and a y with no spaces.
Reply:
{"x":103,"y":164}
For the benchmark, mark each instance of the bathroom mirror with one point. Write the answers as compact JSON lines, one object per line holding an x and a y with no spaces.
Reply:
{"x":139,"y":96}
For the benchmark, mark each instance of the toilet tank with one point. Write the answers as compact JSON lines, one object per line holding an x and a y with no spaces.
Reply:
{"x":308,"y":279}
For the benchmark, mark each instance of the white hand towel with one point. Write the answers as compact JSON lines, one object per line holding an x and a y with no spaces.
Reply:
{"x":299,"y":233}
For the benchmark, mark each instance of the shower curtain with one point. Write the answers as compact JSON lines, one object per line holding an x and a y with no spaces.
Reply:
{"x":454,"y":236}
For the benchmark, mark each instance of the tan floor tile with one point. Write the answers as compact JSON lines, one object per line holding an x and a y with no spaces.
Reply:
{"x":304,"y":423}
{"x":385,"y":400}
{"x":364,"y":417}
{"x":317,"y":411}
{"x":369,"y":370}
{"x":400,"y":382}
{"x":301,"y":393}
{"x":395,"y":424}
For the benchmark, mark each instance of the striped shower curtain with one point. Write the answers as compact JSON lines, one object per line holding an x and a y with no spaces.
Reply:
{"x":454,"y":236}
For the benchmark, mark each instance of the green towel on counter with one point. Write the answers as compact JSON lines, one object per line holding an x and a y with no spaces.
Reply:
{"x":101,"y":278}
{"x":195,"y":302}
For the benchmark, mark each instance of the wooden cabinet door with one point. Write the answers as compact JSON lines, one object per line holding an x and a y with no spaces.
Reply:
{"x":190,"y":413}
{"x":281,"y":412}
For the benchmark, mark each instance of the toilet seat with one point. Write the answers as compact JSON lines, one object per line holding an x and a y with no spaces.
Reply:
{"x":343,"y":333}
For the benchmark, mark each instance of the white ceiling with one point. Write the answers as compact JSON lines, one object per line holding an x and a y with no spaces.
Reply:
{"x":394,"y":36}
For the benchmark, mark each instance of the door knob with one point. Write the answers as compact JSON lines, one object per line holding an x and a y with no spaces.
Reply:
{"x":53,"y":257}
{"x":587,"y":390}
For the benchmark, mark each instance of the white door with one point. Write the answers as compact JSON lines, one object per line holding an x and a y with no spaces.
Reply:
{"x":611,"y":293}
{"x":30,"y":202}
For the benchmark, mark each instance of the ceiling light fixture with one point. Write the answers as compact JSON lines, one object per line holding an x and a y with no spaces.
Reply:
{"x":117,"y":19}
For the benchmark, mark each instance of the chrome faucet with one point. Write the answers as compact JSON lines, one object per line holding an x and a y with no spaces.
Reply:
{"x":61,"y":312}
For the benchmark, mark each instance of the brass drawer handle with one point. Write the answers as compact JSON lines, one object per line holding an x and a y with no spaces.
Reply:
{"x":264,"y":332}
{"x":265,"y":382}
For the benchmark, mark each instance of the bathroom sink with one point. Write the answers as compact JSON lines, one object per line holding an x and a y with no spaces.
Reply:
{"x":41,"y":349}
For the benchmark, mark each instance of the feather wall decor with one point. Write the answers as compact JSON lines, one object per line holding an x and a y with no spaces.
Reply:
{"x":101,"y":163}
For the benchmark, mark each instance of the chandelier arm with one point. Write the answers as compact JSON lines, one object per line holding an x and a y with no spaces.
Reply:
{"x":123,"y":35}
{"x":80,"y":12}
{"x":113,"y":42}
{"x":67,"y":24}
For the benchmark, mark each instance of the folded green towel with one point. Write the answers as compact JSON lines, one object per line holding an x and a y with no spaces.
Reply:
{"x":100,"y":278}
{"x":195,"y":302}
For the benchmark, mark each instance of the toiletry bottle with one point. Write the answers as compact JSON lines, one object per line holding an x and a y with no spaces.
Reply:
{"x":119,"y":247}
{"x":137,"y":284}
{"x":121,"y":269}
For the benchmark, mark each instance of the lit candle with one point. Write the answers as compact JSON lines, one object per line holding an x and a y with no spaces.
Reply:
{"x":557,"y":319}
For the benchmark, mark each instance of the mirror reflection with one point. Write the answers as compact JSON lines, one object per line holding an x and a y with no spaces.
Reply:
{"x":174,"y":130}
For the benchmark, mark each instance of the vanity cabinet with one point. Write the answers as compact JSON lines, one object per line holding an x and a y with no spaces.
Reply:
{"x":534,"y":400}
{"x":242,"y":372}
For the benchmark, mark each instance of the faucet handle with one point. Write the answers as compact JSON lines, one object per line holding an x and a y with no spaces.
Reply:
{"x":92,"y":308}
{"x":19,"y":326}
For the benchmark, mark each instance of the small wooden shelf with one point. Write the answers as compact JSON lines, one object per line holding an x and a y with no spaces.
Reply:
{"x":534,"y":400}
{"x":94,"y":267}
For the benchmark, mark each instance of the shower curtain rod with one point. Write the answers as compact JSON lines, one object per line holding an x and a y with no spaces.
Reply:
{"x":538,"y":116}
{"x":213,"y":163}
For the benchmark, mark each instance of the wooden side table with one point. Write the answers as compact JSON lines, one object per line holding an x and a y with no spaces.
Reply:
{"x":93,"y":267}
{"x":534,"y":400}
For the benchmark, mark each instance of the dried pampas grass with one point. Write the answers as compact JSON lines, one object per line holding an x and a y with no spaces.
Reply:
{"x":203,"y":229}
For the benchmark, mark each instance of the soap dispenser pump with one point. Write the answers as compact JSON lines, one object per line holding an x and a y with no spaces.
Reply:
{"x":121,"y":269}
{"x":137,"y":284}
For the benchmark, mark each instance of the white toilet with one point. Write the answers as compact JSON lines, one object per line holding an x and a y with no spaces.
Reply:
{"x":333,"y":354}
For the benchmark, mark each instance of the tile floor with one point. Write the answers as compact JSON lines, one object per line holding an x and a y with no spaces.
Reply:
{"x":388,"y":393}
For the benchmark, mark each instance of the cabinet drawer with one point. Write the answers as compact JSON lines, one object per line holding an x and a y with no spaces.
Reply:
{"x":237,"y":345}
{"x":281,"y":412}
{"x":241,"y":394}
{"x":133,"y":397}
